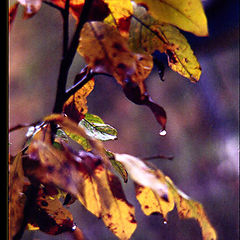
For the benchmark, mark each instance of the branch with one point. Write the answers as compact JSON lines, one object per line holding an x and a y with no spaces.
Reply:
{"x":65,"y":15}
{"x":68,"y":59}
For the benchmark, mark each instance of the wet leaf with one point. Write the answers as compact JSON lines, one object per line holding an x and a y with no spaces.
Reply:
{"x":152,"y":203}
{"x":148,"y":35}
{"x":31,"y":7}
{"x":76,"y":106}
{"x":188,"y":208}
{"x":17,"y":197}
{"x":12,"y":14}
{"x":111,"y":54}
{"x":49,"y":215}
{"x":187,"y":15}
{"x":95,"y":127}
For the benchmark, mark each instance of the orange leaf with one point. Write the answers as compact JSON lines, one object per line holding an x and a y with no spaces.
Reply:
{"x":76,"y":106}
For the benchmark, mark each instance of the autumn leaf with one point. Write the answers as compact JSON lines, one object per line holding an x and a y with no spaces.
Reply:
{"x":49,"y":215}
{"x":17,"y":198}
{"x":188,"y":208}
{"x":157,"y":193}
{"x":111,"y":54}
{"x":187,"y":15}
{"x":148,"y":35}
{"x":76,"y":106}
{"x":103,"y":196}
{"x":152,"y":203}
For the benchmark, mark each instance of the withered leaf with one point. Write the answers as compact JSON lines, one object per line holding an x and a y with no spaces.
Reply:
{"x":76,"y":106}
{"x":17,"y":198}
{"x":186,"y":15}
{"x":111,"y":54}
{"x":49,"y":215}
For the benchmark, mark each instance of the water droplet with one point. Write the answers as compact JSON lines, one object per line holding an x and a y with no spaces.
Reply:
{"x":163,"y":132}
{"x":165,"y":222}
{"x":74,"y":227}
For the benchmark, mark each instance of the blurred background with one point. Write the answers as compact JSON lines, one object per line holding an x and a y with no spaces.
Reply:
{"x":202,"y":128}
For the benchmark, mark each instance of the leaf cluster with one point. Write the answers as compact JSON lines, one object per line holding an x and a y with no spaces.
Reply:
{"x":116,"y":39}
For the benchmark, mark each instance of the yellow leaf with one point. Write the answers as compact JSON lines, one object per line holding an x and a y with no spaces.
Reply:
{"x":188,"y":208}
{"x":111,"y":54}
{"x":187,"y":15}
{"x":117,"y":214}
{"x":76,"y":106}
{"x":148,"y":35}
{"x":152,"y":203}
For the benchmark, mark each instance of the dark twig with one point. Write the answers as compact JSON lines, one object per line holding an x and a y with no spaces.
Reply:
{"x":53,"y":5}
{"x":68,"y":59}
{"x":65,"y":15}
{"x":158,"y":157}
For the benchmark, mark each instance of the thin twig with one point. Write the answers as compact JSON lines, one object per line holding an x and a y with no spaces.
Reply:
{"x":158,"y":157}
{"x":53,"y":5}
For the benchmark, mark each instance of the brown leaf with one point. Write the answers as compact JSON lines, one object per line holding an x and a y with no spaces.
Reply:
{"x":49,"y":215}
{"x":111,"y":54}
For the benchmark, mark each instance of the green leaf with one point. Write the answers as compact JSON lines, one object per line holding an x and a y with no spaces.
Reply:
{"x":118,"y":166}
{"x":80,"y":140}
{"x":187,"y":15}
{"x":95,"y":127}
